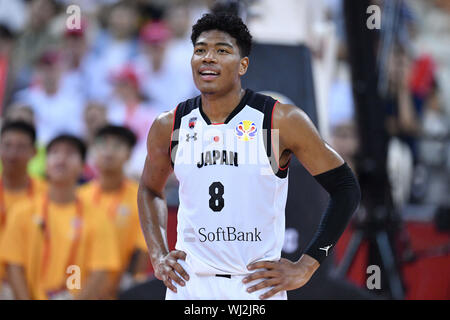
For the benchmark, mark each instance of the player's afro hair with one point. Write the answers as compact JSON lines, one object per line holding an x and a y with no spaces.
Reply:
{"x":229,"y":23}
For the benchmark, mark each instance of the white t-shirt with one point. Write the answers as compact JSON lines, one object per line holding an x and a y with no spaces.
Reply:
{"x":170,"y":85}
{"x":55,"y":114}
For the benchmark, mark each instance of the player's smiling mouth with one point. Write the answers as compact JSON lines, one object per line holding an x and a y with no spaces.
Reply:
{"x":208,"y":73}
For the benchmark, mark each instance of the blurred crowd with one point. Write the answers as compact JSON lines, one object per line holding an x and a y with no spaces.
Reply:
{"x":118,"y":62}
{"x":414,"y":70}
{"x":80,"y":85}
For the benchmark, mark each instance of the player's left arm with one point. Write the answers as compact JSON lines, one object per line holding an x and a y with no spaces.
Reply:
{"x":298,"y":136}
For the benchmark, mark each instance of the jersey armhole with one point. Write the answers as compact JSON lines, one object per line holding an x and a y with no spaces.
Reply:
{"x":280,"y":172}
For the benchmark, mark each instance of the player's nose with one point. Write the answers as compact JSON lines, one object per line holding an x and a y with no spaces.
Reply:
{"x":209,"y":57}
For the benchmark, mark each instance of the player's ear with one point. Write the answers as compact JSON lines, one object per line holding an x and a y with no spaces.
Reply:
{"x":243,"y":66}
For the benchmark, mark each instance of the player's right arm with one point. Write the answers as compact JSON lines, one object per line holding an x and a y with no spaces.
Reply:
{"x":152,"y":203}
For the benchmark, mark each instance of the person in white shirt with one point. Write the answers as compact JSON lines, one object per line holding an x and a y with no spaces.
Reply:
{"x":79,"y":66}
{"x":164,"y":79}
{"x":57,"y":106}
{"x":113,"y":47}
{"x":127,"y":108}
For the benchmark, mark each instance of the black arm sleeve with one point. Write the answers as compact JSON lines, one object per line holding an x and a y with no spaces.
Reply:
{"x":345,"y":196}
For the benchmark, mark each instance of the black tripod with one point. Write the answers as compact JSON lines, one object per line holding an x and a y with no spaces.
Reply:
{"x":377,"y":220}
{"x":379,"y":230}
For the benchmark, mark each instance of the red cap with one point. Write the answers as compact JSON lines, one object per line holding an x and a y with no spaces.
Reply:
{"x":155,"y":32}
{"x":126,"y":74}
{"x":422,"y":75}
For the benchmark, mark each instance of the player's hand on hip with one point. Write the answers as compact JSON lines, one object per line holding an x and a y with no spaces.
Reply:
{"x":282,"y":275}
{"x":166,"y":267}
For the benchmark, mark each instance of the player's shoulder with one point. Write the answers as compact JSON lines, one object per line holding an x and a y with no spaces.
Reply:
{"x":164,"y":123}
{"x":278,"y":113}
{"x":285,"y":114}
{"x":259,"y":100}
{"x":165,"y":118}
{"x":182,"y":108}
{"x":286,"y":110}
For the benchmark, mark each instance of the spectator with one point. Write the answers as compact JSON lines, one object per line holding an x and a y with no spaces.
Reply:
{"x":19,"y":112}
{"x":180,"y":46}
{"x":84,"y":238}
{"x":114,"y":47}
{"x":6,"y":74}
{"x":53,"y":100}
{"x":127,"y":108}
{"x":24,"y":113}
{"x":165,"y":79}
{"x":16,"y":186}
{"x":34,"y":40}
{"x":13,"y":14}
{"x":115,"y":196}
{"x":94,"y":119}
{"x":79,"y":65}
{"x":342,"y":125}
{"x":403,"y":116}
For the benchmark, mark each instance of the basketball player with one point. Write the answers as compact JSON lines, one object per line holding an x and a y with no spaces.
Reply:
{"x":231,"y":216}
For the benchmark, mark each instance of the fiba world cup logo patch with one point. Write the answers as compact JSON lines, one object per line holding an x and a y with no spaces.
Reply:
{"x":246,"y":130}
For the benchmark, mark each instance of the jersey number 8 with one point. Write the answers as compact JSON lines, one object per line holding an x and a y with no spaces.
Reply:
{"x":216,"y":202}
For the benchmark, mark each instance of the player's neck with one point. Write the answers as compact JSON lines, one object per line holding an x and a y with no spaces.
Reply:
{"x":62,"y":193}
{"x":111,"y":181}
{"x":218,"y":107}
{"x":15,"y":181}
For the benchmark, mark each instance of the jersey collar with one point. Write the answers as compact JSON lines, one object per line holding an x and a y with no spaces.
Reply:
{"x":233,"y":113}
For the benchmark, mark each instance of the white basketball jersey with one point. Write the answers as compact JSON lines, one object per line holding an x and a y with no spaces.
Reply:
{"x":232,"y":192}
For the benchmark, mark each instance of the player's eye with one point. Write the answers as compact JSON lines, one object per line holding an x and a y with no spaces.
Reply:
{"x":199,"y":50}
{"x":222,"y":51}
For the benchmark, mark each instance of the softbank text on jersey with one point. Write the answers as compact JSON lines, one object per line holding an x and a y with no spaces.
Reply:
{"x":229,"y":234}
